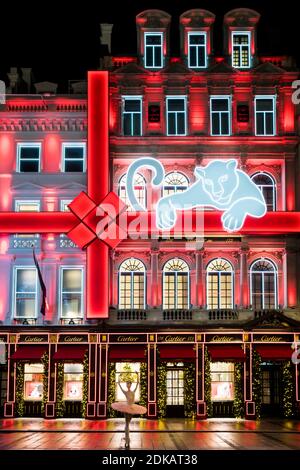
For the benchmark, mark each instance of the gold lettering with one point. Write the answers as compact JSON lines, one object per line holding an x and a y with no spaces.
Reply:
{"x":222,"y":339}
{"x":131,"y":339}
{"x":271,"y":339}
{"x":73,"y":339}
{"x":33,"y":339}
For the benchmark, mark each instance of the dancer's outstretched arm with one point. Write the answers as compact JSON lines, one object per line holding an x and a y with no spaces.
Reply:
{"x":119,"y":383}
{"x":137,"y":383}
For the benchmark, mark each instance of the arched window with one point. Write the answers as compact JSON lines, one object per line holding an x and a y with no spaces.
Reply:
{"x":175,"y":182}
{"x":176,"y":280}
{"x":267,"y":185}
{"x":263,"y":284}
{"x":219,"y":284}
{"x":132,"y":285}
{"x":139,"y":190}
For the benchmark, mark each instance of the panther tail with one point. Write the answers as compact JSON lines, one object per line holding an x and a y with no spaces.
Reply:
{"x":146,"y":162}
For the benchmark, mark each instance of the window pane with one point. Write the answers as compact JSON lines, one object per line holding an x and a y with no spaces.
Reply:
{"x":132,"y":105}
{"x":260,"y":128}
{"x":72,"y":279}
{"x":153,"y":39}
{"x":157,"y":57}
{"x":264,"y":105}
{"x":219,"y":104}
{"x":193,"y":57}
{"x":180,"y":123}
{"x":175,"y":105}
{"x":29,"y":152}
{"x":136,"y":124}
{"x":196,"y":39}
{"x":224,"y":123}
{"x":215,"y":124}
{"x":149,"y":57}
{"x":33,"y":382}
{"x":73,"y":382}
{"x":269,"y":123}
{"x":73,"y":166}
{"x":29,"y":166}
{"x":26,"y":280}
{"x":171,"y":124}
{"x":74,"y":152}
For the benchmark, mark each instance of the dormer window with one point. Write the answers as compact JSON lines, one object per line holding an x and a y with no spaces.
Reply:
{"x":153,"y":54}
{"x":197,"y":53}
{"x":241,"y":51}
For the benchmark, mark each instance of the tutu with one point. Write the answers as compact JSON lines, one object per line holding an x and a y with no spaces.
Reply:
{"x":134,"y":409}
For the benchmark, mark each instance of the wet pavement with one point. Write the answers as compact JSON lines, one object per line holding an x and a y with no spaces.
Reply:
{"x":168,"y":434}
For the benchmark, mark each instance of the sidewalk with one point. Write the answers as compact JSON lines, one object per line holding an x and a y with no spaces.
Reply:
{"x":170,"y":434}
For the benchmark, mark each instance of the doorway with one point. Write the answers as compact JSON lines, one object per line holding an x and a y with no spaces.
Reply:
{"x":175,"y":390}
{"x":271,"y":389}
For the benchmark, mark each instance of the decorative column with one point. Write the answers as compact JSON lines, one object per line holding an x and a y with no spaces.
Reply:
{"x":9,"y":406}
{"x":102,"y":379}
{"x":248,"y":378}
{"x":92,"y":388}
{"x":290,"y":182}
{"x":200,"y":398}
{"x":152,"y":380}
{"x":244,"y":278}
{"x":50,"y":405}
{"x":289,"y":278}
{"x":154,"y":278}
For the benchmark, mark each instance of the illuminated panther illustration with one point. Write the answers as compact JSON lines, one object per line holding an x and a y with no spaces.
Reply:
{"x":219,"y":185}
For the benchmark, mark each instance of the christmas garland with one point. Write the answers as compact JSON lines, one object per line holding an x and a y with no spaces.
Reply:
{"x":256,"y":383}
{"x":288,"y":386}
{"x":143,"y":385}
{"x":238,"y":402}
{"x":161,"y":391}
{"x":20,"y":389}
{"x":60,"y":404}
{"x":45,"y":362}
{"x":85,"y":385}
{"x":207,"y":384}
{"x":189,"y":390}
{"x":111,"y":394}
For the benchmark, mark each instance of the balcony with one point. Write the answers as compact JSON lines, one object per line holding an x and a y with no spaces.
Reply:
{"x":18,"y":242}
{"x":223,"y":315}
{"x":71,"y":321}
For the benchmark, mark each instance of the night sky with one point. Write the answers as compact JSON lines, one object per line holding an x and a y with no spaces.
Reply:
{"x":63,"y":43}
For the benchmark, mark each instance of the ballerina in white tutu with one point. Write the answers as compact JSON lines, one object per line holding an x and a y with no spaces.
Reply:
{"x":129,"y":408}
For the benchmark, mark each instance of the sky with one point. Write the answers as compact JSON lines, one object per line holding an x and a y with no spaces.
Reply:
{"x":60,"y":39}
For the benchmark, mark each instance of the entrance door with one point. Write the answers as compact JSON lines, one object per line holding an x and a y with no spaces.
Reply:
{"x":175,"y":390}
{"x":271,"y":389}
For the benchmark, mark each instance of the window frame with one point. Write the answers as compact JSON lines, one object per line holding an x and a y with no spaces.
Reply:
{"x":122,"y":187}
{"x":61,"y":291}
{"x":174,"y":273}
{"x":243,"y":33}
{"x":273,"y":186}
{"x":174,"y":187}
{"x":275,"y":273}
{"x":197,"y":46}
{"x":155,"y":33}
{"x":176,"y":97}
{"x":73,"y":145}
{"x":21,"y":145}
{"x":132,"y":98}
{"x":131,"y":273}
{"x":229,"y":113}
{"x":14,"y":297}
{"x":219,"y":273}
{"x":274,"y":101}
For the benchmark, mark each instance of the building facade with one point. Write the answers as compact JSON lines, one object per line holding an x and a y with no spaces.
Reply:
{"x":206,"y":321}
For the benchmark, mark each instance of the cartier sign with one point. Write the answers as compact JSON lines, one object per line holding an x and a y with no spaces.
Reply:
{"x":223,"y":338}
{"x":73,"y":339}
{"x":175,"y":338}
{"x":33,"y":339}
{"x":128,"y":338}
{"x":274,"y":338}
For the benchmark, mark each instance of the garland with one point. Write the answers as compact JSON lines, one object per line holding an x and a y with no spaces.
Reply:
{"x":207,"y":384}
{"x":60,"y":404}
{"x":85,"y":385}
{"x":20,"y":389}
{"x":189,"y":390}
{"x":162,"y":389}
{"x":238,"y":403}
{"x":288,"y":386}
{"x":111,"y":394}
{"x":256,"y":383}
{"x":143,"y":385}
{"x":45,"y":362}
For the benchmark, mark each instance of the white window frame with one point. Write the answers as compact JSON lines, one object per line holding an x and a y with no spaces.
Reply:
{"x":229,"y":112}
{"x":197,"y":46}
{"x":263,"y":286}
{"x":266,"y":186}
{"x":27,"y":201}
{"x":264,"y":97}
{"x":176,"y":97}
{"x":153,"y":46}
{"x":14,"y":299}
{"x":122,"y":187}
{"x":21,"y":145}
{"x":175,"y":273}
{"x":64,"y":202}
{"x":243,"y":33}
{"x":74,"y":145}
{"x":61,"y":270}
{"x":131,"y":285}
{"x":132,"y":98}
{"x":208,"y":273}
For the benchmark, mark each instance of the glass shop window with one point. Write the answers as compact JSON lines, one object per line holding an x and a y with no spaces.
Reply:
{"x":73,"y":382}
{"x":222,"y":381}
{"x":33,"y":382}
{"x":129,"y":372}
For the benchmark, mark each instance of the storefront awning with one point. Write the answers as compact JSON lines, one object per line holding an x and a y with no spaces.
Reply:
{"x":232,"y":352}
{"x":279,"y":352}
{"x":130,"y":352}
{"x":177,"y":351}
{"x":74,"y":352}
{"x":29,"y":352}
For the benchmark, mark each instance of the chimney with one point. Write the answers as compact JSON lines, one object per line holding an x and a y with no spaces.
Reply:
{"x":105,"y":38}
{"x":13,"y":77}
